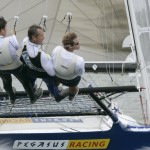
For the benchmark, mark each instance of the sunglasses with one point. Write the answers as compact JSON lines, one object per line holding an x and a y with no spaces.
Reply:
{"x":76,"y":43}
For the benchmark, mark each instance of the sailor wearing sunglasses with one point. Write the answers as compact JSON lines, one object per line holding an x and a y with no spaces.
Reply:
{"x":68,"y":66}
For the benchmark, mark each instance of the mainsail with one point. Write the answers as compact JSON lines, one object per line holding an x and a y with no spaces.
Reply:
{"x":139,"y":20}
{"x":101,"y":30}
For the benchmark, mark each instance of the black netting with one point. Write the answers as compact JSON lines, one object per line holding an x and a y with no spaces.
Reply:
{"x":82,"y":105}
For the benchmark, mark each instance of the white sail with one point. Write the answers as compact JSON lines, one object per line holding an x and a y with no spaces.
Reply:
{"x":138,"y":15}
{"x":100,"y":24}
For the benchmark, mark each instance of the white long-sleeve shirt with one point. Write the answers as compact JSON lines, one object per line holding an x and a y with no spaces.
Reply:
{"x":46,"y":60}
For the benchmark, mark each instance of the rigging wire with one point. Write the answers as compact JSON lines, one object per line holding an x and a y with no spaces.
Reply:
{"x":46,"y":4}
{"x":141,"y":100}
{"x":46,"y":10}
{"x":107,"y":66}
{"x":56,"y":20}
{"x":44,"y":19}
{"x":29,"y":9}
{"x":112,"y":36}
{"x":69,"y":16}
{"x":7,"y":4}
{"x":90,"y":20}
{"x":17,"y":16}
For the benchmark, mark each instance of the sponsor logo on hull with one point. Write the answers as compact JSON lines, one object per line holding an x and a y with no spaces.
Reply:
{"x":38,"y":120}
{"x":62,"y":144}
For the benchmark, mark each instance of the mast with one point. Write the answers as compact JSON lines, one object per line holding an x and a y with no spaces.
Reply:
{"x":137,"y":31}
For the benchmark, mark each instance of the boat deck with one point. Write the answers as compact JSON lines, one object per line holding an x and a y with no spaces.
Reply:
{"x":55,"y":124}
{"x":47,"y":115}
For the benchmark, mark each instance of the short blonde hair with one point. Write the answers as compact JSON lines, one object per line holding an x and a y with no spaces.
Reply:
{"x":68,"y":39}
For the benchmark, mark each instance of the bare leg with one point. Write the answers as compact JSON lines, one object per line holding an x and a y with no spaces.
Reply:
{"x":73,"y":91}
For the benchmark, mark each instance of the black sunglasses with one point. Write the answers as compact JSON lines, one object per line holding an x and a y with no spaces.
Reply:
{"x":76,"y":43}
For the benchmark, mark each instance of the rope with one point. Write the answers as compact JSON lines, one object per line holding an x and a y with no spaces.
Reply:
{"x":16,"y":19}
{"x":69,"y":17}
{"x":44,"y":19}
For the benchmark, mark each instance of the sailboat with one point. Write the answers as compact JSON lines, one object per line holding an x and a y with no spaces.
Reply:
{"x":92,"y":120}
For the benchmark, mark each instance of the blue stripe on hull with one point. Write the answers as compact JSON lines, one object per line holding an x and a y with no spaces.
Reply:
{"x":115,"y":139}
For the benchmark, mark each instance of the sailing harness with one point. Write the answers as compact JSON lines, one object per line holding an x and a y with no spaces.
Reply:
{"x":4,"y":53}
{"x":32,"y":63}
{"x":64,"y":70}
{"x":6,"y":60}
{"x":5,"y":56}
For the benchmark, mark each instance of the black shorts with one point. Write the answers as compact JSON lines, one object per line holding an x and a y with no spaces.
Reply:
{"x":71,"y":83}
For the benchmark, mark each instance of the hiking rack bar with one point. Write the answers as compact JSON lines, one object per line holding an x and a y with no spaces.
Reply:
{"x":116,"y":89}
{"x":110,"y":67}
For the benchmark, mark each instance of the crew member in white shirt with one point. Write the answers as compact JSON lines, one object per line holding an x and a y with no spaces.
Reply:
{"x":10,"y":64}
{"x":68,"y":66}
{"x":38,"y":63}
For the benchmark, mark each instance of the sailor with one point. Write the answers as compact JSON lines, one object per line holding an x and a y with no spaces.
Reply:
{"x":10,"y":64}
{"x":68,"y":66}
{"x":38,"y":63}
